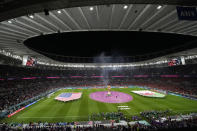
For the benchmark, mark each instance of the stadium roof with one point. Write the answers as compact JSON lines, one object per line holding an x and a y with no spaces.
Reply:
{"x":154,"y":17}
{"x":16,"y":8}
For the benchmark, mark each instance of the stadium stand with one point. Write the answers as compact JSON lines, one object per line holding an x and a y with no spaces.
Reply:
{"x":15,"y":90}
{"x":19,"y":83}
{"x":170,"y":123}
{"x":22,"y":86}
{"x":4,"y":60}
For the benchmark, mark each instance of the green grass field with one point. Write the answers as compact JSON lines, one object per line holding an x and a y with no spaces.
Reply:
{"x":51,"y":110}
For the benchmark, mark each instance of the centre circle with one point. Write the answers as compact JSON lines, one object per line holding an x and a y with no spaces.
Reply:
{"x":115,"y":97}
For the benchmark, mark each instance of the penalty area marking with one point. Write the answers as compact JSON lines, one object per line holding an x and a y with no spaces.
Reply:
{"x":50,"y":116}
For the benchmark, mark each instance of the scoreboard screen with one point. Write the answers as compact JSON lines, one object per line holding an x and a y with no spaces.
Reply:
{"x":177,"y":61}
{"x":29,"y":61}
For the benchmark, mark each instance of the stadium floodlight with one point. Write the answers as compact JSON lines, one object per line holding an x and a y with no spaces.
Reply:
{"x":191,"y":57}
{"x":91,"y":8}
{"x":125,"y":7}
{"x":10,"y":54}
{"x":59,"y":12}
{"x":110,"y":65}
{"x":9,"y":21}
{"x":31,"y":16}
{"x":159,"y":7}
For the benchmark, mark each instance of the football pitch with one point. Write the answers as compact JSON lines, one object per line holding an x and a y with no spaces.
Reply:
{"x":50,"y":110}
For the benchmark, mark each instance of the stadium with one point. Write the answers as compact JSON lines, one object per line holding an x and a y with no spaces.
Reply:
{"x":122,"y":65}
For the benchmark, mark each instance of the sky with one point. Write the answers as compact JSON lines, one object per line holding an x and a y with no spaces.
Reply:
{"x":109,"y":43}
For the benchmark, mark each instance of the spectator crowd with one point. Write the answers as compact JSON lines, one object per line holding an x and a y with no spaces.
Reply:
{"x":14,"y":89}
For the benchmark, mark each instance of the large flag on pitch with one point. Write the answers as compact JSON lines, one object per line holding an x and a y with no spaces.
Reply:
{"x":68,"y":96}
